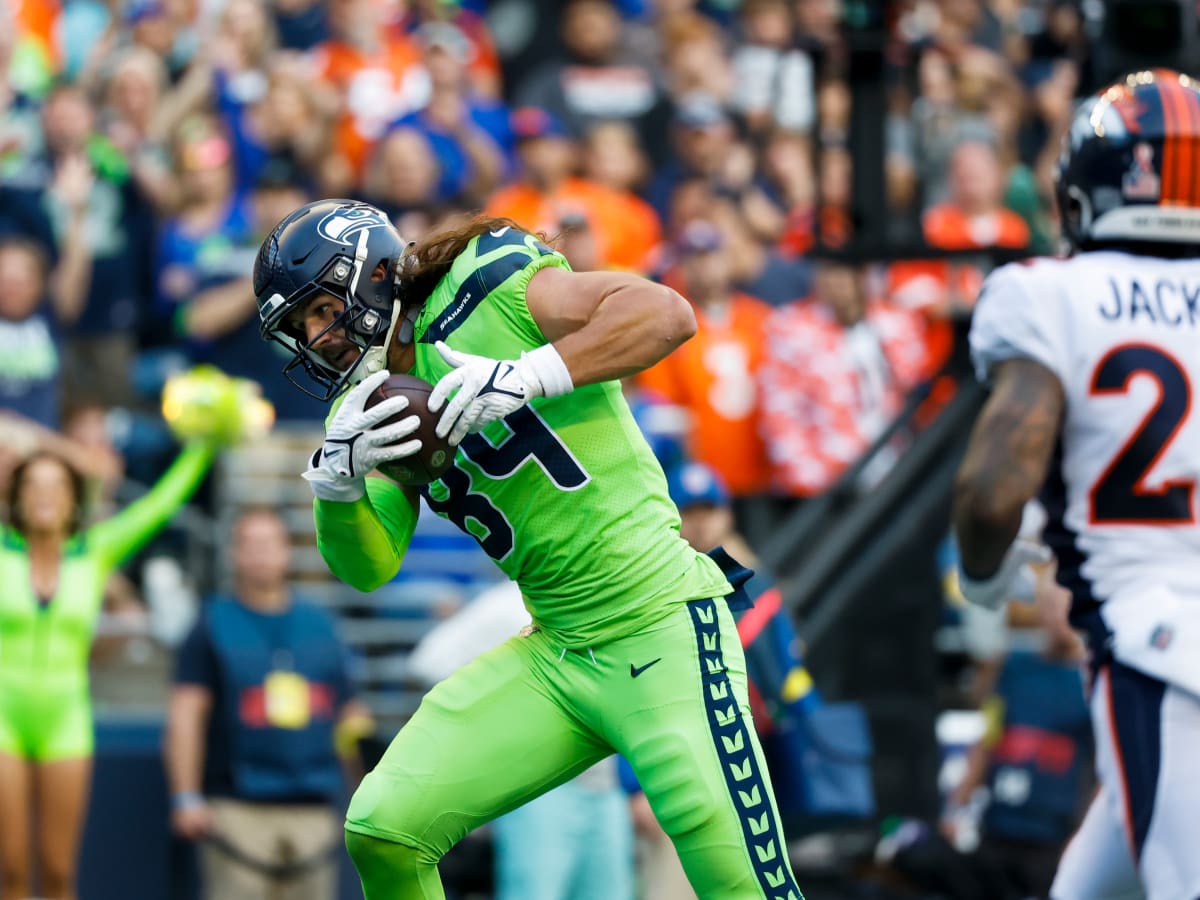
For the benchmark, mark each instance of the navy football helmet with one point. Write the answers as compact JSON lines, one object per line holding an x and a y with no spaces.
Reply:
{"x":1129,"y":172}
{"x":331,"y":246}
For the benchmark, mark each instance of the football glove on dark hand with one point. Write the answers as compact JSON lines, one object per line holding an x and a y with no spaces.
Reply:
{"x":1014,"y":580}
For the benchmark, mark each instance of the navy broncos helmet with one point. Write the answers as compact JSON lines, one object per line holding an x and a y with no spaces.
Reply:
{"x":1129,"y":172}
{"x":331,"y":246}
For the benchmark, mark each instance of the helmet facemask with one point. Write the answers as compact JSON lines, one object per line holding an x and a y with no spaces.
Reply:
{"x":370,"y":313}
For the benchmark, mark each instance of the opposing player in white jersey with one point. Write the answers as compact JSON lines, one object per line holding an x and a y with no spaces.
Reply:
{"x":1092,"y":362}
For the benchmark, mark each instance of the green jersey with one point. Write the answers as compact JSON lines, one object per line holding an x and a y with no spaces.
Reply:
{"x":564,"y":494}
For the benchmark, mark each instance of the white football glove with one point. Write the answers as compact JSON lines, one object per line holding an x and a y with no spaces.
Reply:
{"x":490,"y":389}
{"x":1014,"y":580}
{"x":355,"y":443}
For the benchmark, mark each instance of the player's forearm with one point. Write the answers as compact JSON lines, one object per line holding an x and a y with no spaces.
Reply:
{"x":632,"y":328}
{"x":1005,"y":463}
{"x":987,"y":512}
{"x":118,"y":538}
{"x":364,"y":542}
{"x":73,"y":275}
{"x":185,"y":741}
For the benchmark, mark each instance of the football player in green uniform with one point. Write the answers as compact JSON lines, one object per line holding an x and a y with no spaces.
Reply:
{"x":633,"y":648}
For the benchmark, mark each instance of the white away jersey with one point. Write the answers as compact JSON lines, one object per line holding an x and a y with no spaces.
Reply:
{"x":1122,"y":333}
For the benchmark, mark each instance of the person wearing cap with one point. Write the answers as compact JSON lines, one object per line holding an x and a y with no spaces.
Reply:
{"x":481,"y":57}
{"x":546,"y":189}
{"x":702,"y":138}
{"x":713,"y":376}
{"x":467,"y":132}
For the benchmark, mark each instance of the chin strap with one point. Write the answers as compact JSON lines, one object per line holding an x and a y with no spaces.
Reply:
{"x":375,"y":358}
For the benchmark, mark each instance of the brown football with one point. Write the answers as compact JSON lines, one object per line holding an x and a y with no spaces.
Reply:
{"x":436,"y":454}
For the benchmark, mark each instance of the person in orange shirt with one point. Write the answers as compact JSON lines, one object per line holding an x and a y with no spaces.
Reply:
{"x":974,"y":215}
{"x":549,"y":190}
{"x":713,"y":375}
{"x":376,"y":73}
{"x":613,"y":157}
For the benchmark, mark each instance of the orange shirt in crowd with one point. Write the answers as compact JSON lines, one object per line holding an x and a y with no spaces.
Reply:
{"x":941,"y":288}
{"x":828,"y":391}
{"x":37,"y":21}
{"x":713,"y":377}
{"x":948,"y":227}
{"x":626,"y":227}
{"x":376,"y":89}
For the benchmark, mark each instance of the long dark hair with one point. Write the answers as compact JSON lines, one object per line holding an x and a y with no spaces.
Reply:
{"x":78,"y":490}
{"x":429,"y":261}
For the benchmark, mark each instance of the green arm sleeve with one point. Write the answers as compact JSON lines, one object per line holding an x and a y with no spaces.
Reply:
{"x":364,"y":542}
{"x":118,"y":538}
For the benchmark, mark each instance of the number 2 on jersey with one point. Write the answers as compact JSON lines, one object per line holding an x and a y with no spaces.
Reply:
{"x":1120,"y":496}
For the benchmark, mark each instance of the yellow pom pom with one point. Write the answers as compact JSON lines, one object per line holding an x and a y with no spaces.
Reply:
{"x":204,"y":403}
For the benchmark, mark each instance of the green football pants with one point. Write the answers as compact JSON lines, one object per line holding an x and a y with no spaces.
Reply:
{"x":527,"y":716}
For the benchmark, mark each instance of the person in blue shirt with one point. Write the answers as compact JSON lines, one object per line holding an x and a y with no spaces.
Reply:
{"x":261,"y":719}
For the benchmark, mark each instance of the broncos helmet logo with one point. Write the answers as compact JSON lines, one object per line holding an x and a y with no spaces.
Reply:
{"x":341,"y":225}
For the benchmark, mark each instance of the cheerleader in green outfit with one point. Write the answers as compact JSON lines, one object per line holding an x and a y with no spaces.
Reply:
{"x":52,"y":577}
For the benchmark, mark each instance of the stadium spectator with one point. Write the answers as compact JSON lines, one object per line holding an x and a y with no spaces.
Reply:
{"x":376,"y":73}
{"x":577,"y":242}
{"x":132,"y":117}
{"x":713,"y":377}
{"x":596,"y":79}
{"x":300,"y":24}
{"x":197,"y":276}
{"x":574,"y":842}
{"x":788,"y":169}
{"x":547,"y":190}
{"x":457,"y":764}
{"x":936,"y":122}
{"x":760,"y":268}
{"x":695,"y":60}
{"x":262,"y":716}
{"x":293,"y":119}
{"x":33,"y":307}
{"x":55,"y":568}
{"x":773,"y":80}
{"x":974,"y":215}
{"x":468,"y":133}
{"x":482,"y":58}
{"x":613,"y":158}
{"x":403,"y":178}
{"x":702,"y":137}
{"x":706,"y":147}
{"x":101,"y":341}
{"x":836,"y":370}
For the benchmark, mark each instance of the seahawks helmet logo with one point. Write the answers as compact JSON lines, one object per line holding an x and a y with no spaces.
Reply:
{"x":343,"y":223}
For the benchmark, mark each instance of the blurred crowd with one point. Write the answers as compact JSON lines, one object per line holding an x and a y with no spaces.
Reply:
{"x":147,"y":147}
